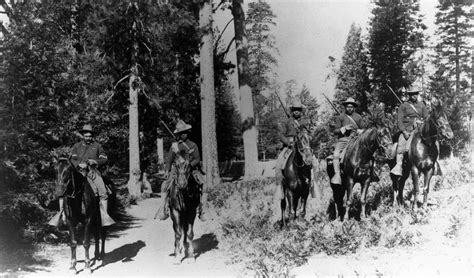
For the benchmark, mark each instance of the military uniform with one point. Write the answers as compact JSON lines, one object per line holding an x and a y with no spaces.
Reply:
{"x":287,"y":131}
{"x":344,"y":126}
{"x":81,"y":153}
{"x":188,"y":150}
{"x":409,"y":114}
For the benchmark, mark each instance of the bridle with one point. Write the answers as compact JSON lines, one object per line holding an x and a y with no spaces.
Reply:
{"x":301,"y":150}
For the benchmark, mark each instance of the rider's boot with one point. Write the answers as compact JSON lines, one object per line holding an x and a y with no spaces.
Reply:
{"x":60,"y":217}
{"x":202,"y":208}
{"x":397,"y":170}
{"x":163,"y":212}
{"x":437,"y":169}
{"x":104,"y":216}
{"x":336,"y":179}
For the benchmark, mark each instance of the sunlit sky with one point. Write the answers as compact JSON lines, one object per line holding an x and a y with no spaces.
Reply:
{"x":308,"y":32}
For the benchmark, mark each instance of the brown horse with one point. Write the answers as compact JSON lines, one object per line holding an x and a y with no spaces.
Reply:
{"x":81,"y":206}
{"x":422,"y":156}
{"x":297,"y":177}
{"x":184,"y":200}
{"x":358,"y":166}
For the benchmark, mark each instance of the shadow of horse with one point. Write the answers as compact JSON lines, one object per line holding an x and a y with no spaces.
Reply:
{"x":205,"y":243}
{"x":124,"y":253}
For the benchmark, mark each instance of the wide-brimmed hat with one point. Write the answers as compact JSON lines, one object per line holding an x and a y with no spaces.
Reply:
{"x":350,"y":100}
{"x":413,"y":90}
{"x":182,"y":126}
{"x":296,"y":104}
{"x":87,"y":128}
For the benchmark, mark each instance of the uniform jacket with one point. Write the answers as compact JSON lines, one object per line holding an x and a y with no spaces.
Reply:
{"x":187,"y":149}
{"x":342,"y":120}
{"x":288,"y":129}
{"x":81,"y":152}
{"x":407,"y":115}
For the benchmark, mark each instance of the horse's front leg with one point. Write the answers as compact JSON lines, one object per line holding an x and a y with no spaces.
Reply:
{"x":363,"y":196}
{"x":87,"y":244}
{"x":103,"y":235}
{"x":189,"y":238}
{"x":348,"y":183}
{"x":178,"y":234}
{"x":426,"y":189}
{"x":73,"y":244}
{"x":415,"y":175}
{"x":283,"y":210}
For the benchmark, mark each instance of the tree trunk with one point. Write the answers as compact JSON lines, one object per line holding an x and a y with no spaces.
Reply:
{"x":134,"y":185}
{"x":246,"y":101}
{"x":208,"y":98}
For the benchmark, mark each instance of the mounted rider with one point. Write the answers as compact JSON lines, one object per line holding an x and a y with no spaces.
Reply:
{"x":345,"y":126}
{"x":411,"y":114}
{"x":287,"y":132}
{"x":187,"y":149}
{"x":88,"y":156}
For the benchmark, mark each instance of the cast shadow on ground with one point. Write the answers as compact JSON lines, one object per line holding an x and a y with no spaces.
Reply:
{"x":205,"y":243}
{"x":124,"y":253}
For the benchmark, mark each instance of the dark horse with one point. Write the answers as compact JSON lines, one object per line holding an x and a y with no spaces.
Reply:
{"x":422,"y":156}
{"x":358,"y":166}
{"x":81,"y":205}
{"x":297,"y":177}
{"x":184,"y":200}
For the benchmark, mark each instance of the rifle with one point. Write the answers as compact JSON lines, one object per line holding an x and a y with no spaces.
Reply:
{"x":401,"y":102}
{"x":282,"y":105}
{"x":393,"y":92}
{"x":332,"y":104}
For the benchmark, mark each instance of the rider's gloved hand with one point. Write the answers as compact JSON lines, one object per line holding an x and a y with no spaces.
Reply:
{"x":92,"y":162}
{"x":359,"y":131}
{"x":291,"y":142}
{"x":82,"y":166}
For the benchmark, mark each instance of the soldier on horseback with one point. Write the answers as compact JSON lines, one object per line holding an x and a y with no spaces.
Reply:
{"x":185,"y":148}
{"x":87,"y":156}
{"x":345,"y":126}
{"x":288,"y":130}
{"x":411,"y":113}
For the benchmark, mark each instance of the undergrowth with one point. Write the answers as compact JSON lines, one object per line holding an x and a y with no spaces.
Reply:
{"x":250,"y":229}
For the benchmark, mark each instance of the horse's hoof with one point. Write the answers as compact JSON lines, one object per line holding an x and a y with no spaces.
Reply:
{"x":73,"y":270}
{"x":88,"y":270}
{"x":177,"y":261}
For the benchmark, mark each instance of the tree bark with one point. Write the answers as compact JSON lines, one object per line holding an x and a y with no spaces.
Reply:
{"x":208,"y":98}
{"x":134,"y":182}
{"x":134,"y":185}
{"x":249,"y":129}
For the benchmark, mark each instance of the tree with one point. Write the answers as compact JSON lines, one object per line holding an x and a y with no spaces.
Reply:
{"x":352,"y":76}
{"x":395,"y":33}
{"x":261,"y":45}
{"x":249,"y":130}
{"x":453,"y":26}
{"x":208,"y":99}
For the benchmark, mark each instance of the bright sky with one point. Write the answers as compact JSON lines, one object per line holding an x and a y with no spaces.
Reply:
{"x":310,"y":31}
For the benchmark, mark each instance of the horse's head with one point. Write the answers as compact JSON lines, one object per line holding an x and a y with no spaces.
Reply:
{"x":303,"y":146}
{"x":64,"y":170}
{"x":438,"y":115}
{"x":385,"y":142}
{"x":183,"y":169}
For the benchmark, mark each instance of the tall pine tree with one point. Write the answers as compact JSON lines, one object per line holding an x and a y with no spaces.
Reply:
{"x":352,"y":76}
{"x":395,"y":34}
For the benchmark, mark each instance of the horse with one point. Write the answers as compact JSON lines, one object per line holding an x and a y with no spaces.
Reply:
{"x":81,"y":206}
{"x":358,"y":166}
{"x":297,"y":177}
{"x":422,"y":156}
{"x":184,"y":200}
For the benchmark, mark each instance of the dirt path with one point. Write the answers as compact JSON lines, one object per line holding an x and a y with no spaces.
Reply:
{"x":143,"y":250}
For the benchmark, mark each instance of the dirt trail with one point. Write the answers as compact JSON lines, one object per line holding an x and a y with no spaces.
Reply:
{"x":144,"y":250}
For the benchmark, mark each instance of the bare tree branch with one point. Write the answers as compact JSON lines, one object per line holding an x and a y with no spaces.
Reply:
{"x":222,"y":33}
{"x":7,"y":10}
{"x":228,"y":47}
